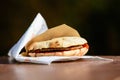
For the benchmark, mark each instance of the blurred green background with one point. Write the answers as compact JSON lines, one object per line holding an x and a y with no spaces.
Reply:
{"x":96,"y":20}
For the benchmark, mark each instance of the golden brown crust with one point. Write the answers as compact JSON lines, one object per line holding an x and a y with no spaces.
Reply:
{"x":58,"y":43}
{"x":59,"y":36}
{"x":58,"y":31}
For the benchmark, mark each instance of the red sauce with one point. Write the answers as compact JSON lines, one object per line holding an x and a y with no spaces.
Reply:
{"x":86,"y":45}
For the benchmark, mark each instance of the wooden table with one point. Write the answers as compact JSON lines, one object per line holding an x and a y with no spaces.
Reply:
{"x":82,"y":69}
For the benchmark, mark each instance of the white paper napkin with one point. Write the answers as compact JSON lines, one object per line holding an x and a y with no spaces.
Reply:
{"x":38,"y":26}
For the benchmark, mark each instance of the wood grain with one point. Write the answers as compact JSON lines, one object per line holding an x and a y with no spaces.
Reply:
{"x":82,"y":69}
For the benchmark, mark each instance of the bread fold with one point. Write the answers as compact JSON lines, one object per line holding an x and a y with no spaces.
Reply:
{"x":55,"y":32}
{"x":61,"y":40}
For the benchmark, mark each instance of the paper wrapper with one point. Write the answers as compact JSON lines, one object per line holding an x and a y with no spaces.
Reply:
{"x":38,"y":26}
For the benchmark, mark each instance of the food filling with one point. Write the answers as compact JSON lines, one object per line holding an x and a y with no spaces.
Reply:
{"x":46,"y":50}
{"x":56,"y":51}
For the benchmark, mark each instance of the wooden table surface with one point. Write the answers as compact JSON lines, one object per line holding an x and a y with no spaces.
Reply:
{"x":82,"y":69}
